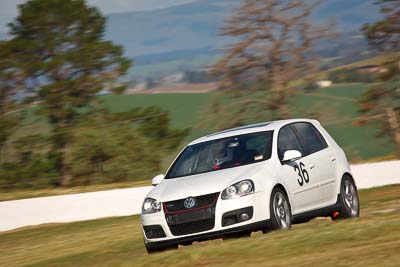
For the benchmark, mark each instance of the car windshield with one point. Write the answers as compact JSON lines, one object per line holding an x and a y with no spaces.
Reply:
{"x":222,"y":154}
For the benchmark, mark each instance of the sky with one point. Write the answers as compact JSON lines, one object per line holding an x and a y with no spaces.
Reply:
{"x":8,"y":8}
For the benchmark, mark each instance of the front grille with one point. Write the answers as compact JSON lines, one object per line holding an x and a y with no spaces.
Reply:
{"x":191,"y":216}
{"x":153,"y":231}
{"x":192,"y":227}
{"x":201,"y":201}
{"x":199,"y":218}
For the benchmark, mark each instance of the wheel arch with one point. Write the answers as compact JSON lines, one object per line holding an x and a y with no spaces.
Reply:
{"x":345,"y":174}
{"x":279,"y":185}
{"x":349,"y":175}
{"x":282,"y":187}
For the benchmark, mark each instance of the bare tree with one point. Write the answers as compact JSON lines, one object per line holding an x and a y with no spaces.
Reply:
{"x":381,"y":103}
{"x":384,"y":35}
{"x":273,"y":47}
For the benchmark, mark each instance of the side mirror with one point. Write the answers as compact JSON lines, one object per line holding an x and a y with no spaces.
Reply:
{"x":291,"y":155}
{"x":157,"y":179}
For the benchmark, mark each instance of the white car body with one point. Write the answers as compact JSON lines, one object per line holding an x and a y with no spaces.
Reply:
{"x":319,"y":196}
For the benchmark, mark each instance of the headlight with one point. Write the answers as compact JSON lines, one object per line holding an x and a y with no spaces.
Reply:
{"x":239,"y":189}
{"x":150,"y":205}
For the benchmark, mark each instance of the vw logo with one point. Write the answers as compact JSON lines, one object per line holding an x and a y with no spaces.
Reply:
{"x":189,"y":202}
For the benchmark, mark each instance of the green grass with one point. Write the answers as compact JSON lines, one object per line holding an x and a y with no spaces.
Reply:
{"x":372,"y":240}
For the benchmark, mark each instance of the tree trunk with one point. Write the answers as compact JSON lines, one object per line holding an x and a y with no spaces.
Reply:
{"x":65,"y":175}
{"x":279,"y":91}
{"x":394,"y":126}
{"x":60,"y":142}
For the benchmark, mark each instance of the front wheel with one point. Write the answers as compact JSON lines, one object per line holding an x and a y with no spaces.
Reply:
{"x":348,"y":199}
{"x":280,"y":211}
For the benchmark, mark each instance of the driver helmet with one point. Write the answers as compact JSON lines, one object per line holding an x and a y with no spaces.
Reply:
{"x":222,"y":153}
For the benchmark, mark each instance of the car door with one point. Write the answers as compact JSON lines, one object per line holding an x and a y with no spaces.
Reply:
{"x":302,"y":187}
{"x":317,"y":158}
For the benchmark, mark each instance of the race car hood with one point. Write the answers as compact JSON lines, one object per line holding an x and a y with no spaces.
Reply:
{"x":202,"y":184}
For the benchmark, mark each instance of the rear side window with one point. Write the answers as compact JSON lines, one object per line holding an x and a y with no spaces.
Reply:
{"x":257,"y":145}
{"x":287,"y":140}
{"x":310,"y":138}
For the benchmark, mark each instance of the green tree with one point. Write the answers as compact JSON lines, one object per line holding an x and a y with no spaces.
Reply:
{"x":153,"y":123}
{"x":65,"y":60}
{"x":122,"y":146}
{"x":109,"y":153}
{"x":382,"y":101}
{"x":9,"y":82}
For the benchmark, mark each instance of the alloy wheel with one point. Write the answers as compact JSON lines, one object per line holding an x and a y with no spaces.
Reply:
{"x":350,"y":198}
{"x":281,"y":211}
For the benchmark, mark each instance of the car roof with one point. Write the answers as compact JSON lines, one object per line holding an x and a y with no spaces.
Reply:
{"x":252,"y":128}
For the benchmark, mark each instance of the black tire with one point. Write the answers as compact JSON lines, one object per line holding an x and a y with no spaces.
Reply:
{"x":348,"y":199}
{"x":280,"y":211}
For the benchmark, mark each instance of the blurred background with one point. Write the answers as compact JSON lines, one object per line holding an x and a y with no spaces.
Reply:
{"x":103,"y":94}
{"x":94,"y":92}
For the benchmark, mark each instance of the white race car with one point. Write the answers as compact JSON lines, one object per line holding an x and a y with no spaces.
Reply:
{"x":259,"y":177}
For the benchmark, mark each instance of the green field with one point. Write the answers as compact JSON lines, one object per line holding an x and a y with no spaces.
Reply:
{"x":339,"y":107}
{"x":336,"y":107}
{"x":337,"y":104}
{"x":184,"y":108}
{"x":372,"y":240}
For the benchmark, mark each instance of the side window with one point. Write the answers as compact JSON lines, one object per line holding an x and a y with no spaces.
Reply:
{"x":287,"y":140}
{"x":260,"y":144}
{"x":310,"y":138}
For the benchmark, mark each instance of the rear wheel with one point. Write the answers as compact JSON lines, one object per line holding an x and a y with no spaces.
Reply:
{"x":280,"y":211}
{"x":348,"y":200}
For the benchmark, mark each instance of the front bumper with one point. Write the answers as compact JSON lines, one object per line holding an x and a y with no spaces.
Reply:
{"x":209,"y":234}
{"x":259,"y":219}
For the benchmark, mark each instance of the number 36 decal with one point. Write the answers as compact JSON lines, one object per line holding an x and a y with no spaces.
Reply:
{"x":303,"y":174}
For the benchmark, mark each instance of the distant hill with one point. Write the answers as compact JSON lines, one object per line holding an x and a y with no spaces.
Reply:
{"x":195,"y":26}
{"x":175,"y":55}
{"x":190,"y":26}
{"x":186,"y":36}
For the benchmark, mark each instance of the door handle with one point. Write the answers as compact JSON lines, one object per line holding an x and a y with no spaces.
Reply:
{"x":311,"y":166}
{"x":333,"y":158}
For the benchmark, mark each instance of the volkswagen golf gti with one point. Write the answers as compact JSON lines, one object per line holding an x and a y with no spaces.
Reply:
{"x":265,"y":176}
